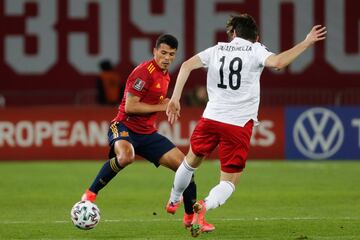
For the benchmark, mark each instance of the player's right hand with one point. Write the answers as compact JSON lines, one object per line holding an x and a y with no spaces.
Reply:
{"x":173,"y":111}
{"x":164,"y":103}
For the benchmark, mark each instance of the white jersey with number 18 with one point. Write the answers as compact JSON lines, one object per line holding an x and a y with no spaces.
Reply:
{"x":233,"y":80}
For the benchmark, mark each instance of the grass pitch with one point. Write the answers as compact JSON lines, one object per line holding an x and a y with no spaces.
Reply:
{"x":274,"y":200}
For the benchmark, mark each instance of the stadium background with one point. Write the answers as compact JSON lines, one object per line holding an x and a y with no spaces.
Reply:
{"x":50,"y":52}
{"x":49,"y":55}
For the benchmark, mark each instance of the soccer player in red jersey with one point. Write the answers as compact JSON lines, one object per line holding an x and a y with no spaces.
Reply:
{"x":133,"y":130}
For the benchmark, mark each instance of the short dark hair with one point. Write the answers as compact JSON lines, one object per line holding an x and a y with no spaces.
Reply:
{"x":106,"y":65}
{"x":168,"y":39}
{"x":244,"y":26}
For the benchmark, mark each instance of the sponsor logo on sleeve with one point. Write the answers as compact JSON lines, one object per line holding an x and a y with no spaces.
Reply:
{"x":139,"y":84}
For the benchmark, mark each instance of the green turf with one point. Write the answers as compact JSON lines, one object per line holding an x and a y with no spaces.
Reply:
{"x":274,"y":200}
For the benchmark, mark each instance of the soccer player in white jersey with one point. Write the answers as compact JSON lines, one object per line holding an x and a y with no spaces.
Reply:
{"x":233,"y":85}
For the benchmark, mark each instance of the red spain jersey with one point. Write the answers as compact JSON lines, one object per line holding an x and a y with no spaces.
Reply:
{"x":150,"y":83}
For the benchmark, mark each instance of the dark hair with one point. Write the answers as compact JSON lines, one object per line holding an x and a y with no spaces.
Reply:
{"x":244,"y":26}
{"x":106,"y":65}
{"x":168,"y":40}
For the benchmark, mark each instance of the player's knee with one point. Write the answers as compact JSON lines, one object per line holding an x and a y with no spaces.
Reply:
{"x":125,"y":154}
{"x":125,"y":159}
{"x":172,"y":159}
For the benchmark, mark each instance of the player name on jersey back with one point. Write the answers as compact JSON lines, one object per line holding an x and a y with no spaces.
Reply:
{"x":230,"y":48}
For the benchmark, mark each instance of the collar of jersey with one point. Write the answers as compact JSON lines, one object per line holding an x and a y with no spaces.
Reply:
{"x":158,"y":69}
{"x":239,"y":40}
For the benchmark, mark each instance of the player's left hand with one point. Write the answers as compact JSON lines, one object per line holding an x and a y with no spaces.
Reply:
{"x":317,"y":33}
{"x":173,"y":111}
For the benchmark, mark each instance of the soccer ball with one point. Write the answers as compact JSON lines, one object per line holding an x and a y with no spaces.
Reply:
{"x":85,"y":215}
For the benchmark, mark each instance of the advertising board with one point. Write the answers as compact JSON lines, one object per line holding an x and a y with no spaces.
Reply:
{"x":68,"y":133}
{"x":323,"y":133}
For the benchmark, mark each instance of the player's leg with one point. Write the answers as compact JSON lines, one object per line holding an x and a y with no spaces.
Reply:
{"x":221,"y":192}
{"x":161,"y":151}
{"x":233,"y":149}
{"x":172,"y":160}
{"x":202,"y":142}
{"x":189,"y":194}
{"x":121,"y":154}
{"x":233,"y":161}
{"x":183,"y":176}
{"x":217,"y":197}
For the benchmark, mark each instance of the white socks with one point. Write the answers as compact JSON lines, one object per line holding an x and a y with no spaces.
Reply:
{"x":182,"y":179}
{"x":219,"y":194}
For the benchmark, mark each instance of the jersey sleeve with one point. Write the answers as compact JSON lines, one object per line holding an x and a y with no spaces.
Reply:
{"x":205,"y":56}
{"x":262,"y":53}
{"x":139,"y":83}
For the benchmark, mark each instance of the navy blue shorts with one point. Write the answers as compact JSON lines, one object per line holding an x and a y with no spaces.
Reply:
{"x":149,"y":146}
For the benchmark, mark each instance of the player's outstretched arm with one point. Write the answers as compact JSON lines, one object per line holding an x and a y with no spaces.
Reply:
{"x":173,"y":107}
{"x":283,"y":59}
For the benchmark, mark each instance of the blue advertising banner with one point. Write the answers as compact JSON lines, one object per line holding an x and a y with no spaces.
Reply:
{"x":322,"y":133}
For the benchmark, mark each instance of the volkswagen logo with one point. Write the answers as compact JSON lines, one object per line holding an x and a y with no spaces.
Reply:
{"x":318,"y":133}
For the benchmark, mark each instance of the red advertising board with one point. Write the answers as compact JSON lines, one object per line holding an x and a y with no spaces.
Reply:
{"x":41,"y":133}
{"x":68,"y":133}
{"x":268,"y":139}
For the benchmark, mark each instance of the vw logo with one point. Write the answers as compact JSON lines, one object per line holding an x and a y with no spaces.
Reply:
{"x":318,"y":133}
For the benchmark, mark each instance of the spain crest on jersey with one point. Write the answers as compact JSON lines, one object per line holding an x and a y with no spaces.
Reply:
{"x":124,"y":134}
